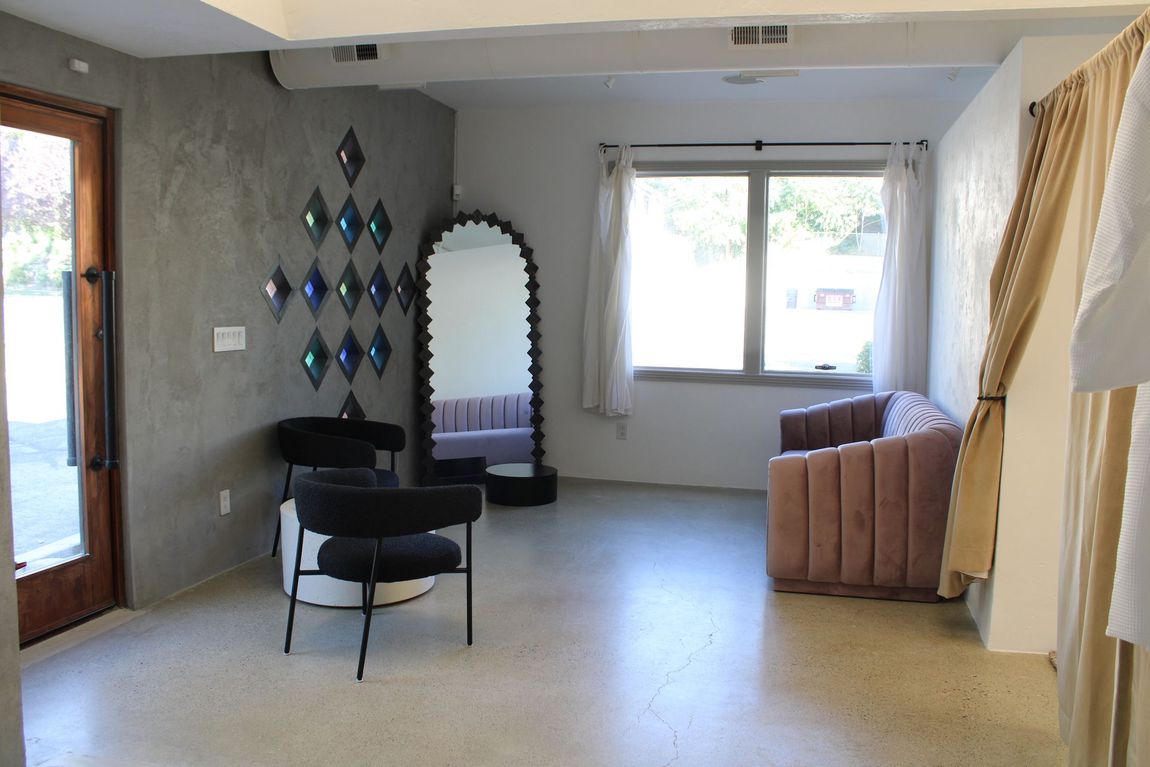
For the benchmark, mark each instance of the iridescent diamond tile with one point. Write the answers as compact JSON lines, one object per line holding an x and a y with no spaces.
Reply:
{"x":316,"y":218}
{"x":405,"y":288}
{"x":379,"y":288}
{"x":351,"y":409}
{"x":350,"y":223}
{"x":379,"y":351}
{"x":349,"y":289}
{"x":349,"y":355}
{"x":314,"y":289}
{"x":350,"y":157}
{"x":316,"y":359}
{"x":379,"y":226}
{"x":277,"y":290}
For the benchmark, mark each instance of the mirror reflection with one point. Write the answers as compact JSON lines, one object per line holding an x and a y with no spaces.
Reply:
{"x":478,"y":293}
{"x":478,"y":325}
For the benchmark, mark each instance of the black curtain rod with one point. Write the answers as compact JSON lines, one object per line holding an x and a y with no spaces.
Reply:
{"x":758,"y":145}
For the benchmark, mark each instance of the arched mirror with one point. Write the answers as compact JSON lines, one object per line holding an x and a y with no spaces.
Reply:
{"x":478,"y":350}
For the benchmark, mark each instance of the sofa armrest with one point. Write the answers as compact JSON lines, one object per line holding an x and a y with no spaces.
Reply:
{"x":866,"y":513}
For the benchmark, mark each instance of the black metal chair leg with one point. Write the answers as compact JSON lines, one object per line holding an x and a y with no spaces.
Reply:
{"x":294,"y":589}
{"x":367,"y":613}
{"x":283,"y":500}
{"x":469,"y":584}
{"x":363,"y":598}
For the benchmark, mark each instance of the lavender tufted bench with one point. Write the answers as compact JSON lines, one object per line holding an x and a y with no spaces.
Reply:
{"x":497,"y":428}
{"x":857,"y":502}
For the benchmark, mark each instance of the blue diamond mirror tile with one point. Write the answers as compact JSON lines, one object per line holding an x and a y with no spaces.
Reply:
{"x":314,"y":288}
{"x":351,"y":409}
{"x":349,"y":289}
{"x":379,"y":226}
{"x":405,"y":288}
{"x":379,"y":351}
{"x":349,"y":355}
{"x":316,"y":218}
{"x":316,"y":359}
{"x":350,"y":157}
{"x":350,"y":223}
{"x":276,"y":292}
{"x":379,"y":288}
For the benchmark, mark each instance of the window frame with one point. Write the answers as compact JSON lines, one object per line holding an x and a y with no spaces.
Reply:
{"x":758,"y":173}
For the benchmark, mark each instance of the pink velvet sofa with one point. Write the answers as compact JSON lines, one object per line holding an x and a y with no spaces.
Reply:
{"x":857,"y":501}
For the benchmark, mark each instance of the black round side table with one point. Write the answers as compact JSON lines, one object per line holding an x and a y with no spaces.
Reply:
{"x":522,"y":484}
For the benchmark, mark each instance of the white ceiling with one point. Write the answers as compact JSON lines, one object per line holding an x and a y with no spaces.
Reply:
{"x":918,"y":83}
{"x":153,"y":28}
{"x":536,"y":66}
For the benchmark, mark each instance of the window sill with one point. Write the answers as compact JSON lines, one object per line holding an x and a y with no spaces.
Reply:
{"x":855,"y":381}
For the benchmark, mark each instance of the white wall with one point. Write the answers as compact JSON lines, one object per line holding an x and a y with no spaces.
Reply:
{"x":537,"y":168}
{"x":979,"y":160}
{"x":479,"y":322}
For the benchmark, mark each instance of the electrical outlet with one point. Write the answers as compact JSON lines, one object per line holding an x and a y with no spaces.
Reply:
{"x":225,"y":502}
{"x":230,"y":339}
{"x":621,"y":430}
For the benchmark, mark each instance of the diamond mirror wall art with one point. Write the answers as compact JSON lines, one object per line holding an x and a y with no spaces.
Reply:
{"x":276,"y":292}
{"x":315,"y":289}
{"x":405,"y":288}
{"x":316,"y":359}
{"x":351,"y":409}
{"x":316,"y":218}
{"x":379,"y":289}
{"x":350,"y":223}
{"x":349,"y":355}
{"x":350,"y":156}
{"x":379,"y":351}
{"x":349,"y":289}
{"x":379,"y":226}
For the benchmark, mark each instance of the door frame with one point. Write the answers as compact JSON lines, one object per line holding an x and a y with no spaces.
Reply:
{"x":107,"y":116}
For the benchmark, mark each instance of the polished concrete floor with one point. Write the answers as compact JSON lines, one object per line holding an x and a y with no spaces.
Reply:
{"x":623,"y":625}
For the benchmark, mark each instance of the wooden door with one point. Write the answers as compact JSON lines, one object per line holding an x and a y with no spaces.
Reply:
{"x":58,"y":338}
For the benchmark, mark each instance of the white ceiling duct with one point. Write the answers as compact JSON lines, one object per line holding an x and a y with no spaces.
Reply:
{"x":920,"y":44}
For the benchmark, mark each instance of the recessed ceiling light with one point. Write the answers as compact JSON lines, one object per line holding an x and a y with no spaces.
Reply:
{"x":754,"y":78}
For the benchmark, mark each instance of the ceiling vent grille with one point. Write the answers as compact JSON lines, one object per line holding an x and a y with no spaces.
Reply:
{"x":344,"y":54}
{"x":757,"y":35}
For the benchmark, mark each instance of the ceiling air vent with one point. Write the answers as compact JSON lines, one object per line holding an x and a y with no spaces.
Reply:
{"x":344,"y":54}
{"x":759,"y":35}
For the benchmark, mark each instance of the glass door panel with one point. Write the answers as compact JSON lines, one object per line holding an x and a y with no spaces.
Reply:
{"x":38,"y":215}
{"x":59,"y":356}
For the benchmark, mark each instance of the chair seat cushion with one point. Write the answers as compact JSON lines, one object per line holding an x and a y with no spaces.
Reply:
{"x":385,"y":478}
{"x":402,"y":558}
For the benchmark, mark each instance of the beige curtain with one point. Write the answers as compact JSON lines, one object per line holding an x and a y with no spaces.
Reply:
{"x":1104,"y":684}
{"x":1017,"y":287}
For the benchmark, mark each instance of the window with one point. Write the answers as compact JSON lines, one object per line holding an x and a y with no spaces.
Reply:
{"x":756,"y":270}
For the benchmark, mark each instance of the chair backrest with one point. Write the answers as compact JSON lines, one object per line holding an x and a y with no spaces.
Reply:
{"x":346,"y":502}
{"x":337,"y":442}
{"x":500,"y":411}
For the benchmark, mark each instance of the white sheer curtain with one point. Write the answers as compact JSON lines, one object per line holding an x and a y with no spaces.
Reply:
{"x":901,"y":313}
{"x":608,"y":378}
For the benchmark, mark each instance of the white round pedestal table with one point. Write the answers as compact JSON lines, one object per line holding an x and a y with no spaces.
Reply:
{"x":330,"y":592}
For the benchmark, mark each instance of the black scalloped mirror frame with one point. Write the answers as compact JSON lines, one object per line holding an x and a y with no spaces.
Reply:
{"x":426,"y":392}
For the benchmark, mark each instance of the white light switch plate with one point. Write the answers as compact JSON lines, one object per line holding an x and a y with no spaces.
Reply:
{"x":231,"y":339}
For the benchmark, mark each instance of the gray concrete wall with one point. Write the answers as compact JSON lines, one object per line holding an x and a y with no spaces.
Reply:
{"x":215,"y":162}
